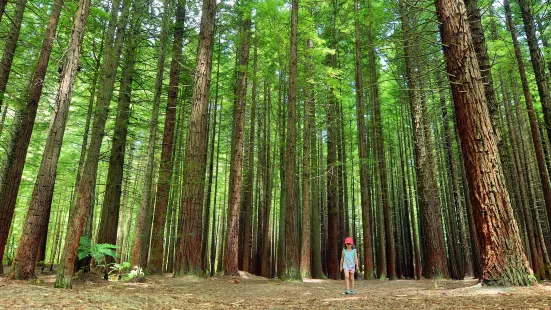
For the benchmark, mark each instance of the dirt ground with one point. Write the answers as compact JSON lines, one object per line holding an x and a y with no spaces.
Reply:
{"x":165,"y":292}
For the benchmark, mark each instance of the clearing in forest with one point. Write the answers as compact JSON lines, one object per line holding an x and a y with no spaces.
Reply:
{"x":165,"y":292}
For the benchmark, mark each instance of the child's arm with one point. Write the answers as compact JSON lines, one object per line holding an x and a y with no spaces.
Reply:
{"x":342,"y":259}
{"x":356,"y":259}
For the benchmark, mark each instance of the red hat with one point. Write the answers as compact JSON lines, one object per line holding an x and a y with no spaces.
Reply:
{"x":349,"y":240}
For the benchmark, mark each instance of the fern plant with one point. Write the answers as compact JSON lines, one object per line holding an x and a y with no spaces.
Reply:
{"x":98,"y":251}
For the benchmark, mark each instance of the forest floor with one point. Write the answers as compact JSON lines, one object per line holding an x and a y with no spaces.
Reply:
{"x":165,"y":292}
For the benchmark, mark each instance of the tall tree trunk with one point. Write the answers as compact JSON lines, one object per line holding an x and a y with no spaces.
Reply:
{"x":249,"y":178}
{"x":429,"y":204}
{"x":458,"y":240}
{"x":292,"y":262}
{"x":281,"y":122}
{"x":189,"y":261}
{"x":481,"y":49}
{"x":165,"y":170}
{"x":379,"y":148}
{"x":92,"y":98}
{"x":504,"y":262}
{"x":362,"y":152}
{"x":6,"y":212}
{"x":10,"y":45}
{"x":214,"y":223}
{"x":542,"y":82}
{"x":238,"y":135}
{"x":537,"y":262}
{"x":47,"y":171}
{"x":204,"y":246}
{"x":109,"y":222}
{"x":24,"y":259}
{"x":305,"y":257}
{"x":84,"y":198}
{"x":266,"y":183}
{"x":84,"y":195}
{"x":332,"y":174}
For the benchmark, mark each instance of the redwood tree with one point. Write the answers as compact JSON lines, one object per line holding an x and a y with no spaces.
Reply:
{"x":188,"y":246}
{"x":362,"y":152}
{"x":36,"y":220}
{"x":165,"y":170}
{"x":503,"y":260}
{"x":238,"y":135}
{"x":291,"y":271}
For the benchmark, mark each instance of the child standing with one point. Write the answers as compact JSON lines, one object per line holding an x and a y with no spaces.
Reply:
{"x":349,"y":261}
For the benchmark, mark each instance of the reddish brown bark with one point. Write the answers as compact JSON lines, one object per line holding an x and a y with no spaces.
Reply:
{"x":542,"y":82}
{"x":85,"y":193}
{"x":457,"y":235}
{"x":249,"y":178}
{"x":238,"y":136}
{"x":291,"y":271}
{"x":10,"y":45}
{"x":188,"y":246}
{"x":381,"y":164}
{"x":429,"y":205}
{"x":155,"y":265}
{"x":37,"y":219}
{"x":305,"y":257}
{"x":266,"y":184}
{"x":362,"y":152}
{"x":504,"y":262}
{"x":6,"y":210}
{"x":109,"y":221}
{"x":48,"y":166}
{"x":537,"y":261}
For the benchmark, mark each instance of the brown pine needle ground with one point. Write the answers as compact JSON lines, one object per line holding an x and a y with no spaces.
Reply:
{"x":164,"y":292}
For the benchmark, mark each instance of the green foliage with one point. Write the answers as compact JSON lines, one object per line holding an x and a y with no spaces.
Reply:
{"x":98,"y":251}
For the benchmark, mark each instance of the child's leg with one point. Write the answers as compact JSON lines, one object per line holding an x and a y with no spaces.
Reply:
{"x":351,"y":276}
{"x":346,"y":274}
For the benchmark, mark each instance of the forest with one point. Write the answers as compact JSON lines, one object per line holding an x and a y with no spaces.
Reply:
{"x":249,"y":138}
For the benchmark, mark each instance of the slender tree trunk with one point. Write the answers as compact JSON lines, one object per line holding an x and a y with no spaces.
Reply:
{"x":266,"y":183}
{"x":10,"y":45}
{"x":47,"y":171}
{"x":536,"y":138}
{"x":91,"y":100}
{"x":189,"y":261}
{"x":204,"y":246}
{"x":379,"y":148}
{"x":84,"y":198}
{"x":292,"y":262}
{"x":457,"y":236}
{"x":23,"y":265}
{"x":109,"y":223}
{"x":238,"y":135}
{"x":223,"y":220}
{"x":165,"y":170}
{"x":429,"y":204}
{"x":537,"y":262}
{"x":504,"y":262}
{"x":214,"y":223}
{"x":282,"y":210}
{"x":6,"y":211}
{"x":305,"y":257}
{"x":362,"y":151}
{"x":479,"y":43}
{"x":249,"y":178}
